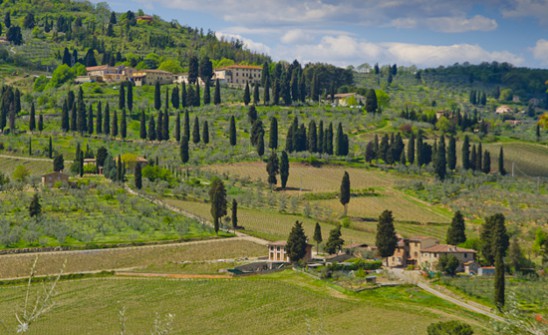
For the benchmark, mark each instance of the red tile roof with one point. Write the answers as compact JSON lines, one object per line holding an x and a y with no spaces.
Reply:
{"x":446,"y":248}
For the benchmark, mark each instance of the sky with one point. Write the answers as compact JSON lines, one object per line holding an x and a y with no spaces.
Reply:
{"x":424,"y":33}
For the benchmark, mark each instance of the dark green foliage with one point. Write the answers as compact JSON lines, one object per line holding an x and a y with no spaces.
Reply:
{"x":272,"y":168}
{"x":252,"y":114}
{"x":234,"y":214}
{"x":411,"y":149}
{"x":318,"y":236}
{"x":284,"y":169}
{"x":207,"y":93}
{"x":175,"y":102}
{"x":14,"y":35}
{"x":371,"y":105}
{"x":494,"y":238}
{"x":342,"y":142}
{"x":186,"y":125}
{"x":193,"y":70}
{"x":165,"y":126}
{"x":232,"y":131}
{"x":122,"y":96}
{"x":178,"y":127}
{"x":73,"y":118}
{"x":273,"y":140}
{"x":500,"y":284}
{"x":256,"y":99}
{"x":260,"y":145}
{"x":370,"y":153}
{"x":217,"y":93}
{"x":99,"y":121}
{"x":101,"y":157}
{"x":160,"y":126}
{"x":452,"y":153}
{"x":217,"y":198}
{"x":247,"y":96}
{"x":138,"y":176}
{"x":473,"y":158}
{"x":7,"y":19}
{"x":196,"y":101}
{"x":50,"y":148}
{"x":205,"y":69}
{"x":502,"y":171}
{"x":196,"y":131}
{"x":257,"y":130}
{"x":114,"y":126}
{"x":312,"y":138}
{"x":142,"y":126}
{"x":386,"y":239}
{"x":296,"y":243}
{"x":152,"y":129}
{"x":486,"y":168}
{"x":184,"y":96}
{"x":106,"y":123}
{"x":456,"y":232}
{"x":466,"y":153}
{"x":65,"y":117}
{"x":40,"y":123}
{"x":441,"y":164}
{"x":35,"y":209}
{"x":123,"y":124}
{"x":90,"y":119}
{"x":157,"y":96}
{"x":58,"y":163}
{"x":448,"y":264}
{"x":184,"y":150}
{"x":266,"y":92}
{"x":334,"y":242}
{"x":479,"y":158}
{"x":89,"y":59}
{"x":449,"y":328}
{"x":344,"y":195}
{"x":32,"y":117}
{"x":383,"y":149}
{"x":205,"y":133}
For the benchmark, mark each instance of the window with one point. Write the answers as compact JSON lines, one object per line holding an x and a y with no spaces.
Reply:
{"x":278,"y":248}
{"x":465,"y":255}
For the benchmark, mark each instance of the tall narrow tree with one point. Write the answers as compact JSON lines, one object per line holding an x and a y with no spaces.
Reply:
{"x":40,"y":122}
{"x":466,"y":153}
{"x":205,"y":133}
{"x":296,"y":243}
{"x":90,"y":119}
{"x":106,"y":124}
{"x":452,"y":153}
{"x":123,"y":124}
{"x":217,"y":197}
{"x":234,"y":214}
{"x":32,"y":118}
{"x":129,"y":86}
{"x":207,"y":93}
{"x":217,"y":93}
{"x":178,"y":127}
{"x":502,"y":171}
{"x":344,"y":194}
{"x":186,"y":125}
{"x":386,"y":239}
{"x":232,"y":131}
{"x":184,"y":150}
{"x":273,"y":139}
{"x":284,"y":169}
{"x":138,"y":176}
{"x":486,"y":167}
{"x":157,"y":96}
{"x":247,"y":97}
{"x":151,"y":129}
{"x":441,"y":164}
{"x":196,"y":131}
{"x":114,"y":126}
{"x":122,"y":96}
{"x":318,"y":236}
{"x":456,"y":232}
{"x":142,"y":126}
{"x":272,"y":168}
{"x":256,"y":99}
{"x":175,"y":102}
{"x":99,"y":120}
{"x":184,"y":96}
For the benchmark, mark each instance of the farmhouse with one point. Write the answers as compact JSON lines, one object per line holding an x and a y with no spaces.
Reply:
{"x":504,"y":109}
{"x":348,"y":99}
{"x":150,"y":77}
{"x":277,"y":253}
{"x":239,"y":74}
{"x":408,"y":250}
{"x":429,"y":257}
{"x":51,"y":178}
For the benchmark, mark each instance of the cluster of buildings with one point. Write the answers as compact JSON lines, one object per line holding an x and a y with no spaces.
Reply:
{"x":234,"y":75}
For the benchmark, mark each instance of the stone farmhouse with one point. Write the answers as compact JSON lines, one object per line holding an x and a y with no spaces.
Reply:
{"x":277,"y":252}
{"x":117,"y":74}
{"x":239,"y":75}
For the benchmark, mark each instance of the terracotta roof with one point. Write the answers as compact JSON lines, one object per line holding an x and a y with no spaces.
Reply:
{"x":422,"y":238}
{"x":252,"y":67}
{"x":99,"y":67}
{"x":278,"y":243}
{"x":446,"y":248}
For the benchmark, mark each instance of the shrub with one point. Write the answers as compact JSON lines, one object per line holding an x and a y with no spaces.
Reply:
{"x":450,"y":328}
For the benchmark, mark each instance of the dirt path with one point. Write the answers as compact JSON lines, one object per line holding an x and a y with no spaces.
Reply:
{"x":193,"y":216}
{"x":35,"y":159}
{"x":172,"y":275}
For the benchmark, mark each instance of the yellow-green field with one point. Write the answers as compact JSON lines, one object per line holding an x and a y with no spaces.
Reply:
{"x":282,"y":303}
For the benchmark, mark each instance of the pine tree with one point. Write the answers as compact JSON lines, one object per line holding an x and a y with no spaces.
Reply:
{"x":456,"y":233}
{"x":296,"y":243}
{"x":32,"y":118}
{"x":273,"y":140}
{"x":142,"y":126}
{"x":114,"y":126}
{"x":205,"y":133}
{"x":318,"y":236}
{"x":386,"y":239}
{"x":178,"y":127}
{"x":502,"y":171}
{"x":441,"y":164}
{"x":196,"y":131}
{"x":272,"y":168}
{"x":232,"y":131}
{"x":466,"y":153}
{"x":123,"y":124}
{"x":184,"y":150}
{"x":35,"y":209}
{"x":344,"y":195}
{"x":106,"y":124}
{"x":334,"y":242}
{"x":234,"y":214}
{"x":217,"y":197}
{"x":247,"y":97}
{"x":157,"y":96}
{"x":217,"y":93}
{"x":284,"y":169}
{"x":138,"y":176}
{"x":486,"y":168}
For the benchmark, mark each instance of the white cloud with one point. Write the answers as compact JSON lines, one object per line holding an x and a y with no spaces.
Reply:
{"x":248,"y":43}
{"x":450,"y":24}
{"x":540,"y":51}
{"x":527,"y":8}
{"x":293,"y":36}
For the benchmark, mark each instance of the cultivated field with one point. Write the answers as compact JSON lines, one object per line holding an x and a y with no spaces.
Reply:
{"x":284,"y":303}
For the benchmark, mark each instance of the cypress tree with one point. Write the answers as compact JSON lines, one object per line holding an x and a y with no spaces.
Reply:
{"x":419,"y":150}
{"x":165,"y":127}
{"x":73,"y":118}
{"x":502,"y":171}
{"x":205,"y":133}
{"x":217,"y":93}
{"x":320,"y":138}
{"x":344,"y":195}
{"x":473,"y":158}
{"x":386,"y":239}
{"x":276,"y":92}
{"x":58,"y":163}
{"x":452,"y":153}
{"x":456,"y":232}
{"x":167,"y":99}
{"x":266,"y":92}
{"x":160,"y":126}
{"x":123,"y":124}
{"x":114,"y":126}
{"x":50,"y":148}
{"x":329,"y":139}
{"x":217,"y":197}
{"x":178,"y":127}
{"x":272,"y":168}
{"x":296,"y":243}
{"x":334,"y":242}
{"x":138,"y":176}
{"x":35,"y":208}
{"x":207,"y":93}
{"x":234,"y":214}
{"x":441,"y":164}
{"x":256,"y":99}
{"x":371,"y":104}
{"x":129,"y":96}
{"x":106,"y":124}
{"x":40,"y":123}
{"x":157,"y":96}
{"x":486,"y":168}
{"x":232,"y":131}
{"x":312,"y":137}
{"x":142,"y":126}
{"x":284,"y":169}
{"x":30,"y":146}
{"x":260,"y":145}
{"x":175,"y":98}
{"x":190,"y":96}
{"x":411,"y":150}
{"x":196,"y":131}
{"x":122,"y":96}
{"x":247,"y":97}
{"x":197,"y":95}
{"x":151,"y":129}
{"x":273,"y":140}
{"x":479,"y":158}
{"x":184,"y":150}
{"x":500,"y":285}
{"x":466,"y":153}
{"x":32,"y":119}
{"x":184,"y":101}
{"x":318,"y":236}
{"x":186,"y":125}
{"x":90,"y":119}
{"x":82,"y":118}
{"x":99,"y":121}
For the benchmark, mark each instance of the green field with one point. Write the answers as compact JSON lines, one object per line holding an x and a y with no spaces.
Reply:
{"x":283,"y":303}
